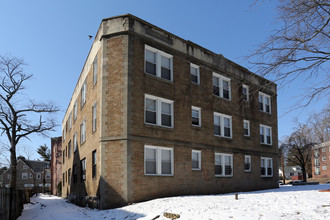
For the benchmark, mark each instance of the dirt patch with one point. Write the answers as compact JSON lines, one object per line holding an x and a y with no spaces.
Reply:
{"x":324,"y":190}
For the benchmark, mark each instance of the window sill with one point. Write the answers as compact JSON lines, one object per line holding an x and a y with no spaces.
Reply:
{"x":223,"y":176}
{"x":266,"y":176}
{"x":196,"y":169}
{"x":158,"y":126}
{"x":221,"y":98}
{"x":247,"y":171}
{"x":266,"y":144}
{"x":160,"y":175}
{"x":268,"y":113}
{"x":230,"y":138}
{"x":195,"y":83}
{"x":159,"y":78}
{"x":196,"y":126}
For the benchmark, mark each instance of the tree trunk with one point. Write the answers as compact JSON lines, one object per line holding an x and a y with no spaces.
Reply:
{"x":304,"y":174}
{"x":12,"y":183}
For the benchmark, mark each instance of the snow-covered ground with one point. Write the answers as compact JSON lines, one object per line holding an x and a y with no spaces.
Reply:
{"x":287,"y":202}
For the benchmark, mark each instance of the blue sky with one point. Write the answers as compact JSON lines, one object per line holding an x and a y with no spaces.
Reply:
{"x":52,"y":38}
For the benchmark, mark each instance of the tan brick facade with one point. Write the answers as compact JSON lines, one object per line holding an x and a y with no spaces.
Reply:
{"x":321,"y":160}
{"x":122,"y":134}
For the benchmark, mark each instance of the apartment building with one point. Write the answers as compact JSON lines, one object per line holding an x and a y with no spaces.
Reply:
{"x":321,"y":160}
{"x":30,"y":174}
{"x":154,"y":115}
{"x":56,"y":164}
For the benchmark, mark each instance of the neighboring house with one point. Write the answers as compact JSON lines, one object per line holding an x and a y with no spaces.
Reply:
{"x":56,"y":163}
{"x":154,"y":115}
{"x":2,"y":170}
{"x":321,"y":160}
{"x":291,"y":173}
{"x":30,"y":174}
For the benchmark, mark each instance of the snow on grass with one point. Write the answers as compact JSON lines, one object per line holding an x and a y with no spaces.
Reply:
{"x":286,"y":202}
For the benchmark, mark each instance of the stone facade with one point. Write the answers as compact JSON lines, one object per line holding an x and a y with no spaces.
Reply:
{"x":321,"y":160}
{"x":56,"y":163}
{"x":30,"y":175}
{"x":123,"y":136}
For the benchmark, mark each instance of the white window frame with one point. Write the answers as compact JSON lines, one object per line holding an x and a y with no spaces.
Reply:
{"x":223,"y":163}
{"x":323,"y":149}
{"x":264,"y":97}
{"x":83,"y":132}
{"x":266,"y":159}
{"x":159,"y":102}
{"x":194,"y":66}
{"x":265,"y":127}
{"x":324,"y":158}
{"x":199,"y":116}
{"x":95,"y":70}
{"x":83,"y":93}
{"x":25,"y":176}
{"x":246,"y":87}
{"x":221,"y":79}
{"x":75,"y":142}
{"x":324,"y":167}
{"x":248,"y":127}
{"x":158,"y":160}
{"x":317,"y":171}
{"x":94,"y":117}
{"x":222,"y":128}
{"x":75,"y":110}
{"x":70,"y":121}
{"x":247,"y":159}
{"x":199,"y":156}
{"x":158,"y":57}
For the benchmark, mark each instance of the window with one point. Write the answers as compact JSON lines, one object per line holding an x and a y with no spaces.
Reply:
{"x":323,"y":149}
{"x":63,"y":179}
{"x":265,"y":134}
{"x":317,"y":170}
{"x":48,"y":175}
{"x":63,"y":135}
{"x":316,"y":153}
{"x":222,"y":125}
{"x":196,"y":160}
{"x":75,"y":143}
{"x":94,"y":164}
{"x":247,"y":166}
{"x":158,"y":111}
{"x":324,"y":167}
{"x":95,"y":70}
{"x":83,"y":94}
{"x":221,"y":86}
{"x":194,"y":73}
{"x":158,"y":63}
{"x":66,"y":176}
{"x":83,"y":170}
{"x":74,"y":174}
{"x":196,"y":116}
{"x":94,"y":118}
{"x":69,"y":148}
{"x":246,"y":125}
{"x":25,"y":167}
{"x":8,"y":176}
{"x":31,"y":176}
{"x":63,"y":156}
{"x":264,"y":102}
{"x":70,"y":121}
{"x":83,"y":132}
{"x":24,"y":176}
{"x":245,"y":92}
{"x":75,"y":110}
{"x":38,"y":176}
{"x":158,"y":161}
{"x":266,"y":167}
{"x":317,"y":162}
{"x":223,"y":164}
{"x":324,"y":158}
{"x":69,"y":176}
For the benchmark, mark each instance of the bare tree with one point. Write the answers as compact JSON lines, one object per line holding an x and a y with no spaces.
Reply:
{"x":300,"y":48}
{"x":18,"y":118}
{"x":299,"y":146}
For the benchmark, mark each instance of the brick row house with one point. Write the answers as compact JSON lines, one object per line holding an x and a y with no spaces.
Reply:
{"x":321,"y":160}
{"x":154,"y":115}
{"x":31,"y":174}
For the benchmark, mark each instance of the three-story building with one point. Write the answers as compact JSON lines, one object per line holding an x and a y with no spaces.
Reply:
{"x":154,"y":115}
